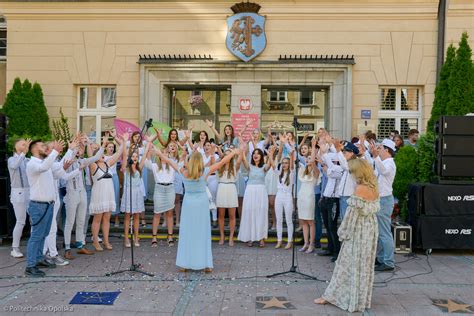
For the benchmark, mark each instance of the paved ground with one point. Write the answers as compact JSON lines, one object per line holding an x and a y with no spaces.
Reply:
{"x":234,"y":287}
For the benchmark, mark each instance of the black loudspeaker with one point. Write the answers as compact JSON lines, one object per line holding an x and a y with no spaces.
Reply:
{"x":448,"y":200}
{"x":456,"y":125}
{"x":447,"y":232}
{"x":4,"y":191}
{"x":456,"y":146}
{"x":455,"y":166}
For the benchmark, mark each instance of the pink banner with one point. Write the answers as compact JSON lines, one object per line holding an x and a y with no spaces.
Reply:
{"x":239,"y":121}
{"x":122,"y":126}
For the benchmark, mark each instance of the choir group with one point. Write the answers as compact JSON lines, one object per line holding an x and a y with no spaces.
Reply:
{"x":197,"y":183}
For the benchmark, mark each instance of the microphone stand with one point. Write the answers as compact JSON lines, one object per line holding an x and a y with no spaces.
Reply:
{"x":294,"y":268}
{"x":134,"y":267}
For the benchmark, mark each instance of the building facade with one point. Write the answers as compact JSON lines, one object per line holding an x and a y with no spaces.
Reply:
{"x":349,"y":66}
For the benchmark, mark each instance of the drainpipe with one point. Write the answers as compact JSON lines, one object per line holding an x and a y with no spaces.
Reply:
{"x":441,"y":36}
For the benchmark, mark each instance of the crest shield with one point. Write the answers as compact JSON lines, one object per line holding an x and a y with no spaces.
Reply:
{"x":246,"y":35}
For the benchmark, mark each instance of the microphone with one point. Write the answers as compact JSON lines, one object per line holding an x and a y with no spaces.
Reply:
{"x":149,"y":123}
{"x":295,"y":122}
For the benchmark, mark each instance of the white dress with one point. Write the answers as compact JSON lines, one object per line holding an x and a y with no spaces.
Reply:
{"x":227,"y":191}
{"x":271,"y":181}
{"x":254,"y":222}
{"x":306,"y":198}
{"x":103,"y":192}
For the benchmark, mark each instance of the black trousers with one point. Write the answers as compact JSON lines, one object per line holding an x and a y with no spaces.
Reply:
{"x":330,"y":212}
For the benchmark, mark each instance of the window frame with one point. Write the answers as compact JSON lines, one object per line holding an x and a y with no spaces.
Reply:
{"x":3,"y":27}
{"x":398,"y":114}
{"x":98,"y":111}
{"x":278,"y":92}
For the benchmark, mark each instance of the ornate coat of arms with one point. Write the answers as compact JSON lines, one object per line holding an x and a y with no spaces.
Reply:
{"x":246,"y":31}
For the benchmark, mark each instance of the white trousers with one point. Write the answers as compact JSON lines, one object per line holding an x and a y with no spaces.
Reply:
{"x":76,"y":208}
{"x":19,"y":197}
{"x":50,"y":241}
{"x":284,"y":204}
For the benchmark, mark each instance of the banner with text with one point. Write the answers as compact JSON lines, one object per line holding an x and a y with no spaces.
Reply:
{"x":239,"y":121}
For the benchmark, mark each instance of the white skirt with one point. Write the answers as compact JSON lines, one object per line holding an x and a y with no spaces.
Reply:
{"x":227,"y":195}
{"x":306,"y":201}
{"x":102,"y":197}
{"x":254,"y":222}
{"x":271,"y":182}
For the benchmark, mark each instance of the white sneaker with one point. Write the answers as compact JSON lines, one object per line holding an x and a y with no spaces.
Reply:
{"x":60,"y":261}
{"x":16,"y":253}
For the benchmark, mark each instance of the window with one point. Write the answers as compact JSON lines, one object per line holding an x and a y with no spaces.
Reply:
{"x":96,"y":110}
{"x":306,"y":103}
{"x":306,"y":97}
{"x":278,"y":96}
{"x":3,"y":42}
{"x":192,"y":107}
{"x":400,"y":109}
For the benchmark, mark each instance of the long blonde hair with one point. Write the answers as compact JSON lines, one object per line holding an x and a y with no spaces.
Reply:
{"x":363,"y":173}
{"x":195,"y":166}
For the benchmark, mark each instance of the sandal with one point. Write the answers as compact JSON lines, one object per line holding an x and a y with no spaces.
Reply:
{"x":170,"y":240}
{"x":231,"y":242}
{"x":127,"y":243}
{"x":320,"y":301}
{"x":278,"y":245}
{"x":154,"y":243}
{"x":183,"y":270}
{"x":97,"y":247}
{"x":108,"y":246}
{"x":208,"y":270}
{"x":261,"y":244}
{"x":289,"y":245}
{"x":303,"y":249}
{"x":250,"y":244}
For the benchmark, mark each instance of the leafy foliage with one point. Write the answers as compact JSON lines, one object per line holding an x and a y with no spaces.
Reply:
{"x":442,"y":89}
{"x":61,"y":129}
{"x":406,"y":161}
{"x":461,"y":81}
{"x":27,"y":115}
{"x":426,"y":157}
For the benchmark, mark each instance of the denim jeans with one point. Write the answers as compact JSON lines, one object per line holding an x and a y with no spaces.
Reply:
{"x":330,"y":212}
{"x":343,"y":206}
{"x":318,"y":220}
{"x":385,"y":244}
{"x":41,"y":215}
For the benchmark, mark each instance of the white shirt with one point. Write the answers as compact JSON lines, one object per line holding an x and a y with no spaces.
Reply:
{"x":282,"y":187}
{"x":17,"y":169}
{"x":334,"y":174}
{"x":347,"y":183}
{"x":163,"y":175}
{"x":77,"y":182}
{"x":385,"y":170}
{"x":40,"y":177}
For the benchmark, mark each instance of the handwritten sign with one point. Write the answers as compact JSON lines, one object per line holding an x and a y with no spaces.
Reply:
{"x":239,"y":120}
{"x":245,"y":104}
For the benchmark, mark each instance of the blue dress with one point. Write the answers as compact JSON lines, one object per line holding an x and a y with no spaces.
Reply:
{"x":195,"y":246}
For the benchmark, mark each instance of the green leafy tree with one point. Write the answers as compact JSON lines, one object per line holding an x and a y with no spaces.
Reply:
{"x":40,"y":111}
{"x":25,"y":109}
{"x":442,"y":89}
{"x":461,"y":81}
{"x":406,"y":161}
{"x":426,"y":157}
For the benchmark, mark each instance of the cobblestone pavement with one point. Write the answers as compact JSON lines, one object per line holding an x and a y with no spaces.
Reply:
{"x":237,"y":282}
